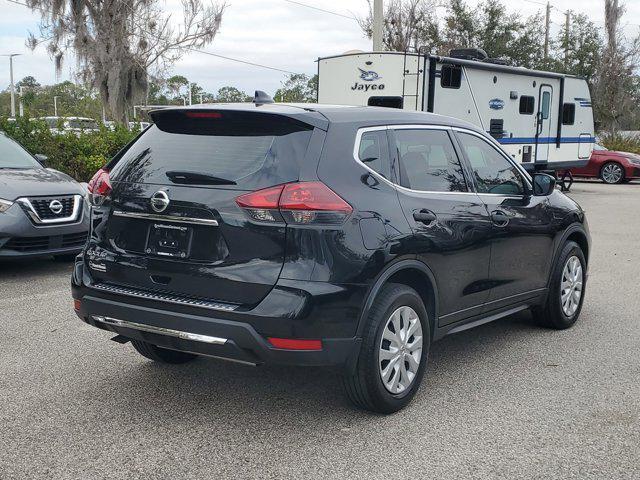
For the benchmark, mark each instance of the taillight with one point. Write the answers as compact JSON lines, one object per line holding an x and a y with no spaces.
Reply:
{"x":296,"y":203}
{"x":99,"y":187}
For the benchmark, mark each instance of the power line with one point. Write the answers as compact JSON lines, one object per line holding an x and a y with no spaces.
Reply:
{"x":224,"y":57}
{"x":322,"y":10}
{"x":243,"y":61}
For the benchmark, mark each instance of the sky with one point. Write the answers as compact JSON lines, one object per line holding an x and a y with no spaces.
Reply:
{"x":277,"y":33}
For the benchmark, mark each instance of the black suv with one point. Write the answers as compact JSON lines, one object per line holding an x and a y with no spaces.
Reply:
{"x":322,"y":235}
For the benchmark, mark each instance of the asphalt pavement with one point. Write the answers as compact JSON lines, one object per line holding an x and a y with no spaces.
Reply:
{"x":505,"y":400}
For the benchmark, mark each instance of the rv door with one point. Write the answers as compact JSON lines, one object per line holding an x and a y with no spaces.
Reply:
{"x":543,"y":131}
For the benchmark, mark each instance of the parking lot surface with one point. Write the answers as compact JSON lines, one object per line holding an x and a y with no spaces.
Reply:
{"x":505,"y":400}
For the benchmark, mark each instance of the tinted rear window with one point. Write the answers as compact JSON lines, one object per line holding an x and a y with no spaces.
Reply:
{"x":253,"y":150}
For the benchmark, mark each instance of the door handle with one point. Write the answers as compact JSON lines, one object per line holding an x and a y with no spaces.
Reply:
{"x":424,"y":216}
{"x":499,"y":219}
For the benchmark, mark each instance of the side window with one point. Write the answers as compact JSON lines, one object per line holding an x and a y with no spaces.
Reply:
{"x":492,"y":172}
{"x":527,"y":105}
{"x":373,"y":151}
{"x":546,"y":104}
{"x":568,"y":113}
{"x":450,"y":76}
{"x":428,"y":161}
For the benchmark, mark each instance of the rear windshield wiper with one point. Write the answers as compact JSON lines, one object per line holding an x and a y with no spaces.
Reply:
{"x":182,"y":176}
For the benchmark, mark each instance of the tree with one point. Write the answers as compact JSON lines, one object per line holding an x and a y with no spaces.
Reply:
{"x":117,"y":43}
{"x":175,"y":85}
{"x":298,"y":88}
{"x":583,"y":45}
{"x":615,"y":81}
{"x":231,"y":95}
{"x":28,"y":82}
{"x":407,"y":24}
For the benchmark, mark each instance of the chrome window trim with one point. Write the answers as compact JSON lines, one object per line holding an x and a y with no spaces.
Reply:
{"x":166,"y":218}
{"x":194,"y":337}
{"x":356,"y":149}
{"x":31,"y":211}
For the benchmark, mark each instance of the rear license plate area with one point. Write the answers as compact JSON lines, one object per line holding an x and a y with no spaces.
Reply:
{"x":169,"y":240}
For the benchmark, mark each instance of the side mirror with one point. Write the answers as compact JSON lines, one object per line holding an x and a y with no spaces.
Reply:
{"x":42,"y":159}
{"x":543,"y":184}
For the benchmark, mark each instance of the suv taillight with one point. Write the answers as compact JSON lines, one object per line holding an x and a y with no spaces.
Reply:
{"x":99,"y":187}
{"x":296,"y":203}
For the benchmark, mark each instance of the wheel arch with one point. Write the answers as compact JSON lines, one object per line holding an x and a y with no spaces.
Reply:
{"x":414,"y":274}
{"x":575,"y":233}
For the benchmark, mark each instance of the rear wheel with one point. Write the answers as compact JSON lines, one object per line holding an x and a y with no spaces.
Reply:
{"x":612,"y":172}
{"x":394,"y":352}
{"x":159,"y":354}
{"x":566,"y":292}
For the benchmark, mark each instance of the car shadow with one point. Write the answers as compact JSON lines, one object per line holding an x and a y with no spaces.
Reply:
{"x":209,"y":390}
{"x":34,"y":267}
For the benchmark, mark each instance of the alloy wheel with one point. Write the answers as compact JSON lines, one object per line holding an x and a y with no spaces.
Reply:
{"x":612,"y":173}
{"x":571,"y":286}
{"x":400,"y":350}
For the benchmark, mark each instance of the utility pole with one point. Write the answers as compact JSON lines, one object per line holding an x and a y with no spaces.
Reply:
{"x":378,"y":13}
{"x":200,"y":95}
{"x":567,"y":25}
{"x":13,"y":87}
{"x":547,"y":23}
{"x":20,"y":103}
{"x":189,"y":85}
{"x":55,"y":105}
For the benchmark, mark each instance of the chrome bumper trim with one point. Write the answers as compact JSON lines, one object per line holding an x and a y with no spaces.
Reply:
{"x":166,"y":218}
{"x":192,"y":302}
{"x":195,"y":337}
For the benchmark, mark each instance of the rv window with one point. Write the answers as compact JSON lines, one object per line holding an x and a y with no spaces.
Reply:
{"x":568,"y":113}
{"x":492,"y":172}
{"x":451,"y":76}
{"x":389,"y":102}
{"x":527,"y":105}
{"x":373,"y":151}
{"x":428,"y":161}
{"x":546,"y":104}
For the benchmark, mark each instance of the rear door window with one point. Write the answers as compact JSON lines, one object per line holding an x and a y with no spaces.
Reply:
{"x":428,"y":161}
{"x":249,"y":150}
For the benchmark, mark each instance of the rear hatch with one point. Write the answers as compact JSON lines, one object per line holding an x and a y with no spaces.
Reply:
{"x":171,"y":223}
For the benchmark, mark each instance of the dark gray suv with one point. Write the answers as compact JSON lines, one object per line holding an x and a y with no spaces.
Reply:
{"x":42,"y":211}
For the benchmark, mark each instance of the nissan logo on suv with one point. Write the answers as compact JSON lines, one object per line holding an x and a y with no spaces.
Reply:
{"x":55,"y":206}
{"x":159,"y":201}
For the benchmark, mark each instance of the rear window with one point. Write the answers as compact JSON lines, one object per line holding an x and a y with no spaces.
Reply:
{"x":252,"y":150}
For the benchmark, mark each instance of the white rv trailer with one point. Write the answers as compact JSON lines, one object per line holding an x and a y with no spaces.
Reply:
{"x":543,"y":119}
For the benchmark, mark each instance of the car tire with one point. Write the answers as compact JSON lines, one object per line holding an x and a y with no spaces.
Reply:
{"x":562,"y":309}
{"x":163,"y":355}
{"x":612,"y":173}
{"x":365,"y":387}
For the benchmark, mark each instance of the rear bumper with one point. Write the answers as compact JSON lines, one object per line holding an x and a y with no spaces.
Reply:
{"x":239,"y":336}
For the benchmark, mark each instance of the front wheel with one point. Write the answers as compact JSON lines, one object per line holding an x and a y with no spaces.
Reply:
{"x":394,"y":352}
{"x":612,"y":172}
{"x":567,"y":289}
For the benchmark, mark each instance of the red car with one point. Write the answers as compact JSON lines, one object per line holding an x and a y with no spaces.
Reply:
{"x":610,"y":166}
